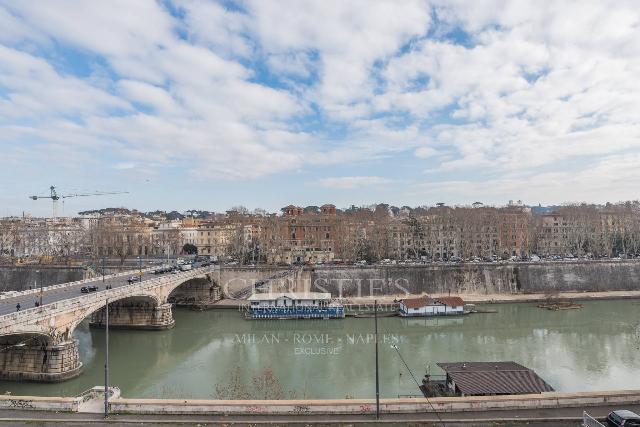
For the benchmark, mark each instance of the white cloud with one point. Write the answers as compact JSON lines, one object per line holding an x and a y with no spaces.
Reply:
{"x":271,"y":87}
{"x":124,"y":166}
{"x":425,"y":152}
{"x":354,"y":182}
{"x":607,"y":179}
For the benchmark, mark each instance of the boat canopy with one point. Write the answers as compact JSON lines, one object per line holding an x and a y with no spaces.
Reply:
{"x":272,"y":296}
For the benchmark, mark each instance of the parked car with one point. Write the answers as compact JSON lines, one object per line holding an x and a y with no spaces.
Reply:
{"x":185,"y":267}
{"x":88,"y":289}
{"x":624,"y":418}
{"x":132,"y":279}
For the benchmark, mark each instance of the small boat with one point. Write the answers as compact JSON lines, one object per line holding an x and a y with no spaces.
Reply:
{"x":426,"y":306}
{"x":293,"y":305}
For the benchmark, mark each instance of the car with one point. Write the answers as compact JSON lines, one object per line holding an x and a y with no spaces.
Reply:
{"x":623,"y":417}
{"x":88,"y":289}
{"x":132,"y":279}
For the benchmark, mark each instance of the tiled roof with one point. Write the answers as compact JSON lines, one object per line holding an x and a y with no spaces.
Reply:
{"x":451,"y":301}
{"x":486,"y":378}
{"x":417,"y":302}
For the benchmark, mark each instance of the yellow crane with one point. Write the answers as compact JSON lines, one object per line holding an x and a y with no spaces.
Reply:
{"x":54,"y":196}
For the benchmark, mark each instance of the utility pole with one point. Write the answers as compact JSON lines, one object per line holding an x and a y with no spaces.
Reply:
{"x":40,"y":277}
{"x":375,"y":317}
{"x":106,"y":360}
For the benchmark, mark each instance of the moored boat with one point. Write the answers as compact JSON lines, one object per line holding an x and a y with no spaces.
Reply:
{"x":293,"y":305}
{"x":425,"y":306}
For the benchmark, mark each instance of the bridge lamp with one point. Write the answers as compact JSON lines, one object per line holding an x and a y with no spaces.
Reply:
{"x":38,"y":276}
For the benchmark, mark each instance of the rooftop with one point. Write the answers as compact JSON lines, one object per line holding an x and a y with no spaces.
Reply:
{"x":491,"y":378}
{"x":426,"y":300}
{"x":270,"y":296}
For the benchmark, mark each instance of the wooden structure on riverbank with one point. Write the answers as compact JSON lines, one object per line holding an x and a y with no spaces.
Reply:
{"x":486,"y":379}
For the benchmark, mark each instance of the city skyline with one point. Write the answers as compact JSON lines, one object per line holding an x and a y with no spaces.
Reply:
{"x":215,"y":104}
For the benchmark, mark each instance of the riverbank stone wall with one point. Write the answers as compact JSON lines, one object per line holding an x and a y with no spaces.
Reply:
{"x":480,"y":278}
{"x":21,"y":278}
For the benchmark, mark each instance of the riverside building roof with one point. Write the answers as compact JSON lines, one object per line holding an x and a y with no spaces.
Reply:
{"x":492,"y":378}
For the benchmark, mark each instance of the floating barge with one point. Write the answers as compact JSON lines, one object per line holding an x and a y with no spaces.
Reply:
{"x":425,"y":307}
{"x":483,"y":379}
{"x":292,"y":305}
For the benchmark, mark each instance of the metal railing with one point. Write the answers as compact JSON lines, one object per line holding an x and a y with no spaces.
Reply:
{"x":589,"y":421}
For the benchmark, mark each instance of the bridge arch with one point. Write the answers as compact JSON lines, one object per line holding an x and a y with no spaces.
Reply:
{"x":23,"y":338}
{"x":39,"y":341}
{"x":128,"y":311}
{"x":194,"y":291}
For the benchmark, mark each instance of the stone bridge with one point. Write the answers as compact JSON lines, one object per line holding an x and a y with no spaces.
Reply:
{"x":37,"y":344}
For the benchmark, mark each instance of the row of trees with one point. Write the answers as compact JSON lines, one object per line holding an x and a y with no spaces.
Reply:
{"x":371,"y":234}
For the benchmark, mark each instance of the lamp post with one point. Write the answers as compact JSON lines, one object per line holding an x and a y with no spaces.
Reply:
{"x":140,"y":268}
{"x":39,"y":276}
{"x":106,"y":360}
{"x":375,"y":317}
{"x":103,"y":270}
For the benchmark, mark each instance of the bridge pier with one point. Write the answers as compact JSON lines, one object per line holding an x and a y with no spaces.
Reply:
{"x":35,"y":360}
{"x":135,"y":315}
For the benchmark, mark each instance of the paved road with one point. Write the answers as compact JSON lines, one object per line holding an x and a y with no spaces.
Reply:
{"x":28,"y":301}
{"x":531,"y":417}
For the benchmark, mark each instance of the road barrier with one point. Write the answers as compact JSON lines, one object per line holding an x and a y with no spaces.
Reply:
{"x":589,"y":421}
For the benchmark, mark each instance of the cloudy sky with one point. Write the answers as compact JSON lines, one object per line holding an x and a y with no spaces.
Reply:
{"x":205,"y":104}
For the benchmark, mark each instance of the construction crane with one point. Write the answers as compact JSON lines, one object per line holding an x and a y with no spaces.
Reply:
{"x":54,"y":196}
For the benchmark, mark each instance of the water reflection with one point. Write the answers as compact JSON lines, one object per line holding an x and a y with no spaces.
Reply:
{"x":594,"y":348}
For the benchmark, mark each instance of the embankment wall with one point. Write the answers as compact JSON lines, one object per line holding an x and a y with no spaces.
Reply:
{"x":480,"y":278}
{"x":20,"y":278}
{"x":368,"y":406}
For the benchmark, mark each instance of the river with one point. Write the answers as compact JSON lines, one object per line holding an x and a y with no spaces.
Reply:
{"x":217,"y":354}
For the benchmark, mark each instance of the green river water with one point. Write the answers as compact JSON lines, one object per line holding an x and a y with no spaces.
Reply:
{"x":209,"y":353}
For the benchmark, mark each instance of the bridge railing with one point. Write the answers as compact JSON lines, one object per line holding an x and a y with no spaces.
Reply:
{"x":68,"y":284}
{"x":589,"y":421}
{"x":115,"y":293}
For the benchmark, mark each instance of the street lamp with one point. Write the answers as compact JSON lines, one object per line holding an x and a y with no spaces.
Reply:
{"x":106,"y":360}
{"x":375,"y":317}
{"x":38,"y":276}
{"x":140,"y":268}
